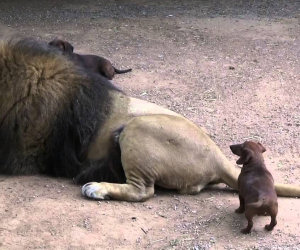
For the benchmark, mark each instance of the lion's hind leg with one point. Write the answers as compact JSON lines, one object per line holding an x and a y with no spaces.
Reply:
{"x":125,"y":192}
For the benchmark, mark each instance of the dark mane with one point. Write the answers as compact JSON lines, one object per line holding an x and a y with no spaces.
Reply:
{"x":75,"y":128}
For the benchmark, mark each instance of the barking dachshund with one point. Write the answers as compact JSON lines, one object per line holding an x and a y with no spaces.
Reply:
{"x":255,"y":184}
{"x":94,"y":63}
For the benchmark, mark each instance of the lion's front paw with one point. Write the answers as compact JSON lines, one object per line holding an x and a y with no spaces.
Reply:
{"x":94,"y":190}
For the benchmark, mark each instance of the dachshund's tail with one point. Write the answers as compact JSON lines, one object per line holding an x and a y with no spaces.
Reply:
{"x":122,"y":71}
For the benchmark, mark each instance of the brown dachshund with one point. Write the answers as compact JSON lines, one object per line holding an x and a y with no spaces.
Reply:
{"x":255,"y":184}
{"x":94,"y":63}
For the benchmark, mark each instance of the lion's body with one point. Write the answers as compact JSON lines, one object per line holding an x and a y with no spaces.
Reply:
{"x":123,"y":109}
{"x":58,"y":119}
{"x":172,"y":156}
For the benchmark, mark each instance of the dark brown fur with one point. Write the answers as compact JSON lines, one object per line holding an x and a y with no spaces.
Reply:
{"x":255,"y":184}
{"x":94,"y":63}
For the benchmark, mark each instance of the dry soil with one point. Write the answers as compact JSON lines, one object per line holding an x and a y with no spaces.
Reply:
{"x":230,"y":66}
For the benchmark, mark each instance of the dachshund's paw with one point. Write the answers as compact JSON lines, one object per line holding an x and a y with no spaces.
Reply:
{"x":94,"y":190}
{"x":246,"y":231}
{"x":240,"y":210}
{"x":269,"y":227}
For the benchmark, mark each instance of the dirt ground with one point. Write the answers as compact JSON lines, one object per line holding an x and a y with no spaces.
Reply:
{"x":230,"y":66}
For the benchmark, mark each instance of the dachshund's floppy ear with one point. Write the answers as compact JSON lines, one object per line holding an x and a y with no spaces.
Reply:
{"x":245,"y":157}
{"x":62,"y":45}
{"x":67,"y":47}
{"x":263,"y":149}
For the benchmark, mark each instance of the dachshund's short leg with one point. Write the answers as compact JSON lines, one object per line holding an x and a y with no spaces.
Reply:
{"x":273,"y":223}
{"x":249,"y":215}
{"x":273,"y":213}
{"x":241,"y":209}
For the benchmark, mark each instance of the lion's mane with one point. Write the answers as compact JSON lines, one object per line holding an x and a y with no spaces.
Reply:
{"x":50,"y":110}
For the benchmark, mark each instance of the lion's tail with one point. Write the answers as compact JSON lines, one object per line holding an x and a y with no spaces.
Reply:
{"x":231,"y":173}
{"x":288,"y":190}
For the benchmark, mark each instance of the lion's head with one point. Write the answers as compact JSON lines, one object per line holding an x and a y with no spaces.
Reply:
{"x":49,"y":109}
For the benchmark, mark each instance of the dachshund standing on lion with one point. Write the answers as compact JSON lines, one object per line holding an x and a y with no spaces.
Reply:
{"x":255,"y":184}
{"x":96,"y":64}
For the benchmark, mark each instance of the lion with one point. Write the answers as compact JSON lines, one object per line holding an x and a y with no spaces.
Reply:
{"x":59,"y":119}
